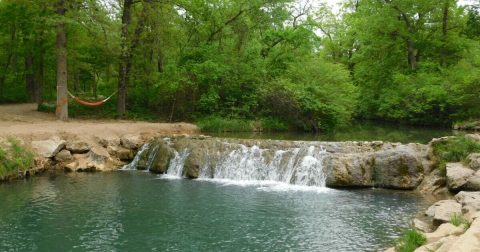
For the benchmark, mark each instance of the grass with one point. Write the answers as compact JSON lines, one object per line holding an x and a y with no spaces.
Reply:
{"x":458,"y":220}
{"x":14,"y":159}
{"x":221,"y":124}
{"x":455,"y":149}
{"x":410,"y":240}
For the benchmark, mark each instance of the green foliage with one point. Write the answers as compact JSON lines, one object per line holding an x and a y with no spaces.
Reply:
{"x":309,"y":69}
{"x":14,"y":159}
{"x":410,"y":240}
{"x":455,"y":149}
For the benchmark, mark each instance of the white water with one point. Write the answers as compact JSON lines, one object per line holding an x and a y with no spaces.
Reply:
{"x":134,"y":163}
{"x":175,"y":169}
{"x":295,"y":168}
{"x":277,"y":170}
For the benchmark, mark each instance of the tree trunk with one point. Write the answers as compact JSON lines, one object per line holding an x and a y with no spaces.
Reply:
{"x":39,"y":80}
{"x":61,"y":46}
{"x":124,"y":67}
{"x":29,"y":77}
{"x":412,"y":55}
{"x":443,"y":51}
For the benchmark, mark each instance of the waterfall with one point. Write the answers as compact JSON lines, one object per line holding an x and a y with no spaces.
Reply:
{"x":296,"y":166}
{"x":175,"y":169}
{"x":300,"y":164}
{"x":134,"y":163}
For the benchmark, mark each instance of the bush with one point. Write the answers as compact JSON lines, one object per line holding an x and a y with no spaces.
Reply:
{"x":219,"y":124}
{"x":455,"y":149}
{"x":411,"y":240}
{"x":15,"y":159}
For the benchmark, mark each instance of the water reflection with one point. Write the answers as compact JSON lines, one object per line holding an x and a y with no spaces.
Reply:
{"x":361,"y":131}
{"x":135,"y":211}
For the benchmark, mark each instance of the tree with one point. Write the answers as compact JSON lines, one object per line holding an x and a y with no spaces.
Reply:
{"x":61,"y":45}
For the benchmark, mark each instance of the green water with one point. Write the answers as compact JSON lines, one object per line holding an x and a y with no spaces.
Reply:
{"x":360,"y":131}
{"x":138,"y":211}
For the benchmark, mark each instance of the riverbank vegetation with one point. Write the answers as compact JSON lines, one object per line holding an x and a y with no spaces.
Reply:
{"x":454,"y":149}
{"x":410,"y":240}
{"x":280,"y":64}
{"x":14,"y":159}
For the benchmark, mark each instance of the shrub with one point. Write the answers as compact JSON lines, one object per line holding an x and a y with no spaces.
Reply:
{"x":455,"y":149}
{"x":15,"y":159}
{"x":219,"y":124}
{"x":410,"y":240}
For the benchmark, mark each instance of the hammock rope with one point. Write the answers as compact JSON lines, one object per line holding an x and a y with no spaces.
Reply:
{"x":89,"y":103}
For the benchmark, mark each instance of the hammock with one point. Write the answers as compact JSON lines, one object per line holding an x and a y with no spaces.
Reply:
{"x":88,"y":103}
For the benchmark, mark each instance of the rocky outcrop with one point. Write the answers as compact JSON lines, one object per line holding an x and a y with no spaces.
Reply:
{"x":444,"y":210}
{"x":350,"y":170}
{"x":473,"y":161}
{"x":399,"y":168}
{"x":78,"y":147}
{"x":457,"y":176}
{"x":132,"y":141}
{"x":444,"y":230}
{"x":470,"y":202}
{"x":434,"y":184}
{"x":49,"y":148}
{"x":470,"y":241}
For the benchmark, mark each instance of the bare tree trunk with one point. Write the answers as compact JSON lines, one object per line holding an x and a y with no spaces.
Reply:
{"x":124,"y":68}
{"x":39,"y":80}
{"x":61,"y":45}
{"x":29,"y":77}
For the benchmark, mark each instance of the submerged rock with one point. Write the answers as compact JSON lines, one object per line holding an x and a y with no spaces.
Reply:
{"x":49,"y":148}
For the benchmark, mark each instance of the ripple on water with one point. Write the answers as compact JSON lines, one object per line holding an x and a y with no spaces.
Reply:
{"x":136,"y":211}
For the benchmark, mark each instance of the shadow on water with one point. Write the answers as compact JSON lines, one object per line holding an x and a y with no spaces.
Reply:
{"x":359,"y":131}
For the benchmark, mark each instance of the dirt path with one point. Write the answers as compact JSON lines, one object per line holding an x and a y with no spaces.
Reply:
{"x":23,"y":121}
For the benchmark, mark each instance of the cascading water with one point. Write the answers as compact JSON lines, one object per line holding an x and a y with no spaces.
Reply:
{"x":175,"y":169}
{"x":298,"y":166}
{"x":133,"y":165}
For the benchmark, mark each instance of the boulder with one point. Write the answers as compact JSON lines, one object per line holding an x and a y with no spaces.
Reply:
{"x":470,"y":202}
{"x":71,"y":166}
{"x":470,"y":241}
{"x":422,"y":226}
{"x":78,"y":147}
{"x":457,"y":176}
{"x":132,"y":142}
{"x":443,"y":210}
{"x":349,"y":170}
{"x":99,"y":158}
{"x":473,"y":161}
{"x":162,"y":158}
{"x":398,"y":169}
{"x":109,"y":141}
{"x":443,"y":244}
{"x":434,"y":184}
{"x":444,"y":230}
{"x":120,"y":152}
{"x":48,"y":148}
{"x":63,"y":156}
{"x":474,"y":137}
{"x":473,"y":183}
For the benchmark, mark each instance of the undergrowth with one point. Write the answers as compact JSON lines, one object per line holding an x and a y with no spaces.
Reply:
{"x":14,"y":159}
{"x":455,"y":149}
{"x":410,"y":240}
